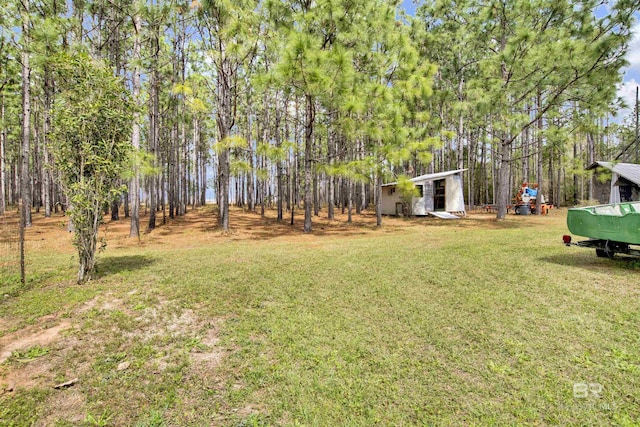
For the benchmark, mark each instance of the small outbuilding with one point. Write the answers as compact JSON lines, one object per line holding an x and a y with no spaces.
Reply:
{"x":437,"y":192}
{"x":624,"y":185}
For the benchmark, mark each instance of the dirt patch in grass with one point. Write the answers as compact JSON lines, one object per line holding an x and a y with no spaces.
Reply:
{"x":34,"y":357}
{"x":208,"y":355}
{"x":29,"y":337}
{"x":26,"y":376}
{"x":68,"y":405}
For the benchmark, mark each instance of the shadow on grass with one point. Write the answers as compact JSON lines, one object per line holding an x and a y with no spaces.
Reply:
{"x":119,"y":264}
{"x":470,"y":222}
{"x":589,"y":261}
{"x":265,"y":228}
{"x":245,"y":224}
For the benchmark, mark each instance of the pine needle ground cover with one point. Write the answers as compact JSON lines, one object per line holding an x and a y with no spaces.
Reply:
{"x":425,"y":321}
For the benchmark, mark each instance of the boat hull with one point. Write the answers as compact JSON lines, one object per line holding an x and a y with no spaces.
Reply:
{"x":618,"y":222}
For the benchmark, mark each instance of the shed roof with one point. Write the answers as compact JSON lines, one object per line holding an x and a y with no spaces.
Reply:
{"x":629,"y":171}
{"x":429,"y":176}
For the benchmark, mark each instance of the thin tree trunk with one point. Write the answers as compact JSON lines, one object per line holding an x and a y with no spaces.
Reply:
{"x":363,"y":187}
{"x":286,"y":161}
{"x":471,"y":161}
{"x":264,"y":136}
{"x":308,"y":152}
{"x":460,"y":147}
{"x":483,"y":172}
{"x":378,"y":198}
{"x":525,"y":150}
{"x":575,"y":175}
{"x":203,"y":171}
{"x":154,"y":128}
{"x":552,"y":196}
{"x":36,"y":179}
{"x":262,"y":188}
{"x":539,"y":161}
{"x":115,"y":207}
{"x":224,"y":118}
{"x":251,"y":199}
{"x":331,"y":178}
{"x":134,"y":190}
{"x":503,"y":180}
{"x":25,"y":187}
{"x":46,"y":174}
{"x":279,"y":183}
{"x":316,"y":196}
{"x":3,"y":202}
{"x":590,"y":160}
{"x":194,"y":170}
{"x":125,"y":202}
{"x":184,"y":197}
{"x":350,"y":200}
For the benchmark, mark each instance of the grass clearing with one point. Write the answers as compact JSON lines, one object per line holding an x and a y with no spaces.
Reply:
{"x":422,"y":322}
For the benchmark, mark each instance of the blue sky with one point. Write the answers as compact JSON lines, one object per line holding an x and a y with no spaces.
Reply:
{"x":631,"y":78}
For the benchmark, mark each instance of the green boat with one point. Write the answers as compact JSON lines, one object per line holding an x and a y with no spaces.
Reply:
{"x":610,"y":228}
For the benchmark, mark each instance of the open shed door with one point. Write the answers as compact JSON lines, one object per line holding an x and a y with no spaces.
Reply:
{"x":428,"y":196}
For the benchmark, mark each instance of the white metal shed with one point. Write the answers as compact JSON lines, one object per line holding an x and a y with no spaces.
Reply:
{"x":438,"y":192}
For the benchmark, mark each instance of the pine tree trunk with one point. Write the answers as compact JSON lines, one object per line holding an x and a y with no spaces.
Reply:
{"x":350,"y":201}
{"x":575,"y":175}
{"x":47,"y":180}
{"x":308,"y":151}
{"x":224,"y":119}
{"x":250,"y":176}
{"x":331,"y":178}
{"x":460,"y":147}
{"x":483,"y":173}
{"x":134,"y":186}
{"x":25,"y":179}
{"x":378,"y":198}
{"x":471,"y":161}
{"x":115,"y":207}
{"x":279,"y":183}
{"x":559,"y":181}
{"x":46,"y":184}
{"x":494,"y":174}
{"x":154,"y":128}
{"x":503,"y":178}
{"x":171,"y":164}
{"x":262,"y":183}
{"x":552,"y":196}
{"x":539,"y":161}
{"x":223,"y":180}
{"x":525,"y":151}
{"x":316,"y":195}
{"x":162,"y":196}
{"x":3,"y":180}
{"x":36,"y":182}
{"x":194,"y":171}
{"x":590,"y":160}
{"x":184,"y":169}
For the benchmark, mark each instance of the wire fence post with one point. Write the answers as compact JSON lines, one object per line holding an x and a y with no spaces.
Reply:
{"x":23,"y":279}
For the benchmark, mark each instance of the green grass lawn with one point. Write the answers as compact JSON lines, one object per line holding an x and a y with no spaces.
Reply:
{"x":424,"y":322}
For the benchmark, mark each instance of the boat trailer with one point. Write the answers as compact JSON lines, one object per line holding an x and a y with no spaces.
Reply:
{"x":604,"y":248}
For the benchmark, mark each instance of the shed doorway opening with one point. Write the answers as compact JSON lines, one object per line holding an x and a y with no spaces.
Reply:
{"x":439,"y":195}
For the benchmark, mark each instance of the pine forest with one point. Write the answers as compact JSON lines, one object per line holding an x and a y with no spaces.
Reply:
{"x":149,"y":109}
